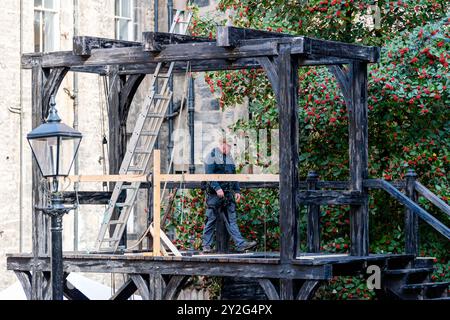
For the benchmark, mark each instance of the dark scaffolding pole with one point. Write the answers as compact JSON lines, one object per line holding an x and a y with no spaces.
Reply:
{"x":191,"y":111}
{"x":170,"y":107}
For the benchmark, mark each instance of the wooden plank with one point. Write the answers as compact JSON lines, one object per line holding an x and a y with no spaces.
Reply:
{"x":156,"y":286}
{"x":156,"y":202}
{"x":411,"y":219}
{"x":174,"y":287}
{"x":288,"y":118}
{"x":430,"y":196}
{"x":90,"y":197}
{"x":25,"y":280}
{"x":52,"y":84}
{"x":173,"y":52}
{"x":269,"y":289}
{"x":72,"y":293}
{"x":125,"y":291}
{"x":313,"y":227}
{"x":423,"y":214}
{"x":39,"y":232}
{"x":164,"y":266}
{"x":228,"y":36}
{"x":219,"y":177}
{"x":358,"y":155}
{"x":286,"y":289}
{"x":83,"y":45}
{"x":330,"y":197}
{"x":108,"y":178}
{"x":308,"y":289}
{"x":338,"y":49}
{"x":166,"y":241}
{"x":141,"y":285}
{"x":155,"y":41}
{"x":127,"y":93}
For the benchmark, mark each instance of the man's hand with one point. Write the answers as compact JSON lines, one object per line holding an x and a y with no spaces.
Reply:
{"x":220,"y":193}
{"x":238,"y":197}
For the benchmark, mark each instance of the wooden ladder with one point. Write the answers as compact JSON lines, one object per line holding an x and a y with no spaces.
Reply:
{"x":140,"y":148}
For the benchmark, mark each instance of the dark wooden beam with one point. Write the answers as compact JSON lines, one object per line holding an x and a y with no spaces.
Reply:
{"x":174,"y":287}
{"x":433,"y":198}
{"x":83,"y":45}
{"x":313,"y":227}
{"x":308,"y":289}
{"x":141,"y":285}
{"x":179,"y":267}
{"x":173,"y":52}
{"x":343,"y":78}
{"x":52,"y":84}
{"x":339,"y":49}
{"x":411,"y":219}
{"x":288,"y":118}
{"x":269,"y":289}
{"x":155,"y":41}
{"x":25,"y":280}
{"x":330,"y":197}
{"x":127,"y":94}
{"x":411,"y":205}
{"x":125,"y":291}
{"x":38,"y":226}
{"x":358,"y":155}
{"x":72,"y":293}
{"x":228,"y":36}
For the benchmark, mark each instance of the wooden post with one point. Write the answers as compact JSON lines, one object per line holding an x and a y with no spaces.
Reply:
{"x":288,"y":111}
{"x":288,"y":153}
{"x":358,"y":152}
{"x":411,"y":219}
{"x":39,"y":231}
{"x":313,"y":216}
{"x":156,"y":202}
{"x":117,"y":135}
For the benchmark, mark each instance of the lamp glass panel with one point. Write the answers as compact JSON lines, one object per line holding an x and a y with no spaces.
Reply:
{"x":68,"y":148}
{"x":45,"y":151}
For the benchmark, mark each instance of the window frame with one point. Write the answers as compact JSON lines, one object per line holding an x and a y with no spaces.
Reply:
{"x":131,"y":20}
{"x":56,"y":20}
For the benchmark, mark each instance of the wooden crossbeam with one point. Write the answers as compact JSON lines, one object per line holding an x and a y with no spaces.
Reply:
{"x":219,"y":177}
{"x":155,"y":41}
{"x":173,"y":52}
{"x":228,"y":36}
{"x":83,"y":45}
{"x":329,"y":197}
{"x":326,"y":48}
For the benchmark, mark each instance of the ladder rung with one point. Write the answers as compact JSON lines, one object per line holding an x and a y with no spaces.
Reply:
{"x":162,"y":97}
{"x":139,"y":151}
{"x":110,"y":239}
{"x":163,"y":75}
{"x":149,"y":133}
{"x":122,"y":205}
{"x":155,"y":115}
{"x":129,"y":187}
{"x":116,"y":222}
{"x":135,"y":169}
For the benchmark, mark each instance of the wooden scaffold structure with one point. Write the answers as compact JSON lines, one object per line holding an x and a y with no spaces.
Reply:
{"x":286,"y":274}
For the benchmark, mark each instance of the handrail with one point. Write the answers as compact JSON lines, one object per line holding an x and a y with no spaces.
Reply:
{"x":430,"y":196}
{"x":411,"y":205}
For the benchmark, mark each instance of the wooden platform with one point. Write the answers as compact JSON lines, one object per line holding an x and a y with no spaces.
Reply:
{"x":247,"y":265}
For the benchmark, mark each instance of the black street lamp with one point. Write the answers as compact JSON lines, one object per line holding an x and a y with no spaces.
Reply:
{"x":54,"y":146}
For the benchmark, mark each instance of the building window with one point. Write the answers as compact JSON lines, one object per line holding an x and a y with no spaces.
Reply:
{"x":46,"y":25}
{"x":126,"y":14}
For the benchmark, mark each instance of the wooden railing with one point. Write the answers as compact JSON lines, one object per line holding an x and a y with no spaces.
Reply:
{"x":413,"y":210}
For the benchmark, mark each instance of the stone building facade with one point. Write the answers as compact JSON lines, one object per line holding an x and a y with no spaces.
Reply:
{"x":48,"y":25}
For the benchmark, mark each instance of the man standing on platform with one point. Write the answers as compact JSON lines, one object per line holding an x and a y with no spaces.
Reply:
{"x":223,"y":195}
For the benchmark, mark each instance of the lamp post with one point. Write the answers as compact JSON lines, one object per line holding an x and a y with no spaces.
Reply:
{"x":54,"y":146}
